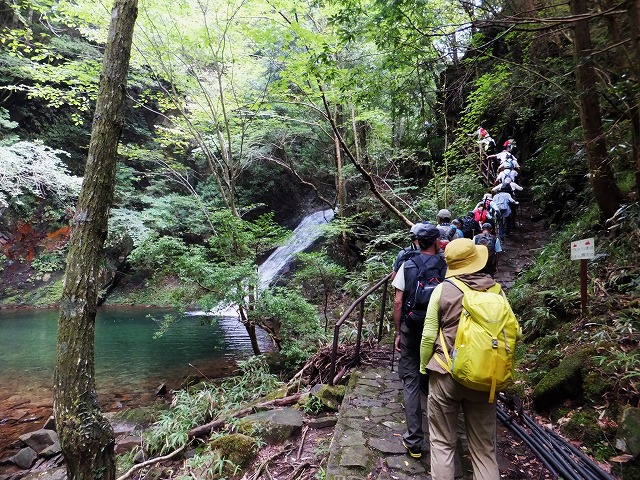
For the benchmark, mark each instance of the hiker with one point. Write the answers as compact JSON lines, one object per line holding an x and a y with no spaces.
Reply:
{"x":487,"y":238}
{"x":407,"y":252}
{"x":466,"y":262}
{"x":408,"y":326}
{"x":484,"y":211}
{"x":504,"y":174}
{"x":503,"y":202}
{"x":484,"y":139}
{"x":457,"y":224}
{"x":469,"y":225}
{"x":508,"y":186}
{"x":447,"y":231}
{"x":505,"y":159}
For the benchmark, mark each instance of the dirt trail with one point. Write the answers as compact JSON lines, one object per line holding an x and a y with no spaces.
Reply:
{"x":525,"y":242}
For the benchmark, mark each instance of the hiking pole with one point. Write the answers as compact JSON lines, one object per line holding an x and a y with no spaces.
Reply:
{"x":393,"y":352}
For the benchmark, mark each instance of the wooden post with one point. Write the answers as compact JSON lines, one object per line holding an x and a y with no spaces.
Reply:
{"x":583,"y":286}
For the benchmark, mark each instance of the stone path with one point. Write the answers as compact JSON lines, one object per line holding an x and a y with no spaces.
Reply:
{"x":367,"y":439}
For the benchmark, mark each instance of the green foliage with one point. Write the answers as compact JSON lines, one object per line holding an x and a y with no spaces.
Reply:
{"x":313,"y":406}
{"x":299,"y":332}
{"x":123,"y":221}
{"x":34,"y":168}
{"x":48,"y":262}
{"x":209,"y":465}
{"x":319,"y":277}
{"x":584,"y":425}
{"x":159,"y":254}
{"x":5,"y":122}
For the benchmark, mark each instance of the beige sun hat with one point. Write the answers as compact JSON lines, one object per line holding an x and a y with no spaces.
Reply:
{"x":463,"y":256}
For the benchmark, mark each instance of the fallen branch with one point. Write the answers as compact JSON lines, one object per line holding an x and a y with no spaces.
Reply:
{"x":304,"y":436}
{"x":207,"y":428}
{"x":151,"y":461}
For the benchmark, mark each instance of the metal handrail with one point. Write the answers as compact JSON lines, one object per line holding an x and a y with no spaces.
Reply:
{"x":336,"y":328}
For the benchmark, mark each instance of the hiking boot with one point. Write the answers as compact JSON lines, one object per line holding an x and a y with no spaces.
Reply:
{"x":415,"y":451}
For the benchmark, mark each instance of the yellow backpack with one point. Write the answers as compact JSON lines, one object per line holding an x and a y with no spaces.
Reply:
{"x":483,"y":356}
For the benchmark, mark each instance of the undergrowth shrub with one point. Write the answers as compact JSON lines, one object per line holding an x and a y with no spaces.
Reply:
{"x":193,"y":407}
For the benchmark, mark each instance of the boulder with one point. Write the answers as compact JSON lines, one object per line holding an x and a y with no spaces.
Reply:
{"x":25,"y":458}
{"x":331,"y":397}
{"x":562,"y":382}
{"x":51,"y":451}
{"x":628,"y":435}
{"x":275,"y":426}
{"x":127,"y":443}
{"x":40,"y":439}
{"x":239,"y":449}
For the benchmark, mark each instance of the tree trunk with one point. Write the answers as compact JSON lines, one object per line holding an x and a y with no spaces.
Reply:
{"x":86,"y":437}
{"x":633,"y":13}
{"x":251,"y":331}
{"x":605,"y":190}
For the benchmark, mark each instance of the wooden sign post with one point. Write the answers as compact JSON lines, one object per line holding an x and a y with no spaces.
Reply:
{"x":583,"y":250}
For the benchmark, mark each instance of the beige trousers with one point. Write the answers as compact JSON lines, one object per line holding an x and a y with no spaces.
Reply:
{"x":446,"y":397}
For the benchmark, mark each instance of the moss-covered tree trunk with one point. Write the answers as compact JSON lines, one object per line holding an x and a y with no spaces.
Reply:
{"x":605,"y":190}
{"x":86,"y":437}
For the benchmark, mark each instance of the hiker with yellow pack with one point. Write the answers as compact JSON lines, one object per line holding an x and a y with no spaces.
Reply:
{"x":468,"y":350}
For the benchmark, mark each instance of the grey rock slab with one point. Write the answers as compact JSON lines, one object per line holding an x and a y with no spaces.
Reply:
{"x":351,"y":438}
{"x":375,"y":383}
{"x":382,"y":411}
{"x":40,"y":439}
{"x":127,"y":443}
{"x":49,"y":424}
{"x":406,"y":464}
{"x":356,"y":456}
{"x":51,"y":450}
{"x":25,"y":458}
{"x":365,"y":402}
{"x":364,"y":391}
{"x":59,"y":473}
{"x":628,"y":436}
{"x":322,"y":422}
{"x":387,"y":446}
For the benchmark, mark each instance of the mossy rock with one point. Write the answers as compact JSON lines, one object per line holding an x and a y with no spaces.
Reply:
{"x":330,"y":396}
{"x":596,"y":384}
{"x":583,"y":425}
{"x":562,"y":382}
{"x":237,"y":448}
{"x":628,"y":436}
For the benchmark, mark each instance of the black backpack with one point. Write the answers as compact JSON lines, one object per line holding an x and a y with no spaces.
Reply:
{"x":417,"y":299}
{"x":407,"y":254}
{"x":469,"y":225}
{"x":488,"y":241}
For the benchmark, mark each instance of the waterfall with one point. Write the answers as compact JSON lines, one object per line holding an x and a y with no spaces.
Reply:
{"x":301,"y":238}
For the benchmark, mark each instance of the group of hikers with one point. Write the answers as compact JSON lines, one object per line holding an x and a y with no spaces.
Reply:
{"x":455,"y":330}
